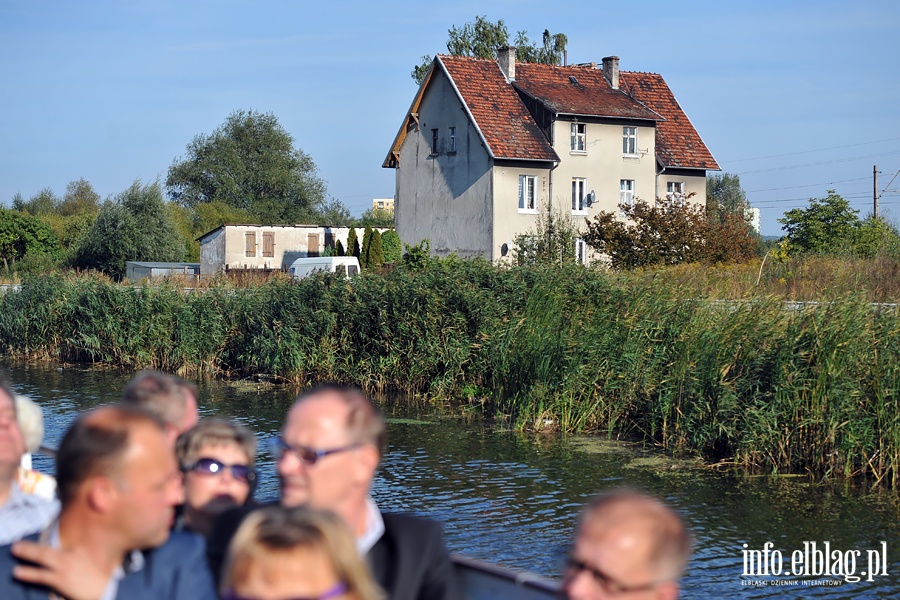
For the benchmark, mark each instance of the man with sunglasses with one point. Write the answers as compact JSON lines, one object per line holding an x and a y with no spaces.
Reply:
{"x":330,"y":448}
{"x":627,"y":545}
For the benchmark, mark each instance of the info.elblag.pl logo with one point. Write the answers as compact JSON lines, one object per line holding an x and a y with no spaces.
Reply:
{"x":814,"y":560}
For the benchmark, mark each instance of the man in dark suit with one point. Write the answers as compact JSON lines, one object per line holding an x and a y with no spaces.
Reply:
{"x":329,"y":451}
{"x":118,"y":485}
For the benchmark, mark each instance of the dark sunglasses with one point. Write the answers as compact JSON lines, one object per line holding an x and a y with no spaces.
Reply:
{"x":308,"y":455}
{"x":604,"y":582}
{"x":211,"y":466}
{"x":334,"y":592}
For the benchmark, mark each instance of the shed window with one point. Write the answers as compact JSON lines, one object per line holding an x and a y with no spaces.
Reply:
{"x":268,"y":244}
{"x":250,"y":243}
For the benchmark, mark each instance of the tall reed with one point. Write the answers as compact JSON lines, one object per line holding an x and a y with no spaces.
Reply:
{"x":776,"y":387}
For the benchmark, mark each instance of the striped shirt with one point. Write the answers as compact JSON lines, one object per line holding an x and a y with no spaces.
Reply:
{"x":23,"y":514}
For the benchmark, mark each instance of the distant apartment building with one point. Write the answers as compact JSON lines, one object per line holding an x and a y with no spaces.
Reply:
{"x":385,"y":205}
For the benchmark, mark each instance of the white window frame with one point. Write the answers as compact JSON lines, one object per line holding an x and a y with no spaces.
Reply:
{"x":626,"y":192}
{"x":578,"y":138}
{"x":580,"y":251}
{"x":579,"y":193}
{"x":452,"y":140}
{"x":675,"y":192}
{"x":629,"y":141}
{"x":526,"y":204}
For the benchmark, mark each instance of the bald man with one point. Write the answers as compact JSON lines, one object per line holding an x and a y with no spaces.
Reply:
{"x":627,"y":545}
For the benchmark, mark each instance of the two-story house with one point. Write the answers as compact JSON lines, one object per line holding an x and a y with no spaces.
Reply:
{"x":486,"y":145}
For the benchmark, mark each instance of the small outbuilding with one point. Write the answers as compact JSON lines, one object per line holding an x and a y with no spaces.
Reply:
{"x":137,"y":270}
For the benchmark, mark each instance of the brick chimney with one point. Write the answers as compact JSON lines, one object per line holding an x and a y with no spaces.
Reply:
{"x":611,"y":70}
{"x":507,"y":59}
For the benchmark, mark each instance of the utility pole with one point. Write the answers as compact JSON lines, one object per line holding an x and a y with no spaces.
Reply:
{"x":875,"y":188}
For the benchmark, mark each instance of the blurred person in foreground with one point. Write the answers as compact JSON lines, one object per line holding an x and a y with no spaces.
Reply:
{"x":170,"y":398}
{"x":217,"y":458}
{"x":31,"y":423}
{"x":298,"y":552}
{"x":627,"y":545}
{"x":21,"y":513}
{"x":330,"y":448}
{"x":118,"y":485}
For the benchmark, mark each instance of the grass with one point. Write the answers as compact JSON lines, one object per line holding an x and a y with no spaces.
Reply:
{"x":780,"y":389}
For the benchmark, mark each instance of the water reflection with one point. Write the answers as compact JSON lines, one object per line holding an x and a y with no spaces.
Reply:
{"x":512,"y":499}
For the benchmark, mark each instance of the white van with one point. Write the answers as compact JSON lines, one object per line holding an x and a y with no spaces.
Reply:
{"x":304,"y":267}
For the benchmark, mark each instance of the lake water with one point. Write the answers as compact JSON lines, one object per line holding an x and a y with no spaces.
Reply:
{"x":511,"y":499}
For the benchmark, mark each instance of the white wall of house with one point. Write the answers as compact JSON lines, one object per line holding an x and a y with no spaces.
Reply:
{"x":510,"y":219}
{"x":691,"y":181}
{"x":445,"y":196}
{"x":228,"y":247}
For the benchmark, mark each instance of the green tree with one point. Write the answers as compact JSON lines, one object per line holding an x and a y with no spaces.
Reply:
{"x":482,"y":38}
{"x":393,"y":249}
{"x":339,"y":249}
{"x":136,"y":225}
{"x":79,"y":198}
{"x":364,"y":251}
{"x":45,"y":202}
{"x":376,"y":217}
{"x":376,"y":251}
{"x":876,"y":236}
{"x":334,"y":213}
{"x":827,"y":225}
{"x":22,"y":235}
{"x":667,"y":233}
{"x":249,"y":163}
{"x":551,"y":240}
{"x":725,"y":196}
{"x":352,"y":243}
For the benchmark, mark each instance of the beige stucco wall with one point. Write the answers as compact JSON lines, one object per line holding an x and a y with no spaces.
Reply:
{"x":509,"y":221}
{"x":603,"y":164}
{"x":445,"y":198}
{"x":692,"y":184}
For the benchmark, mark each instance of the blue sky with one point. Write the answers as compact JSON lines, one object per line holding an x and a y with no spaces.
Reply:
{"x":796,"y":97}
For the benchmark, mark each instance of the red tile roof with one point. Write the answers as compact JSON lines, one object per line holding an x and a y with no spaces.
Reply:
{"x":504,"y":121}
{"x":578,"y":91}
{"x":677,"y":142}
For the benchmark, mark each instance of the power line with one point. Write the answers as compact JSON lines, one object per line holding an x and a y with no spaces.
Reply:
{"x":794,"y":187}
{"x":823,"y":162}
{"x":810,"y":151}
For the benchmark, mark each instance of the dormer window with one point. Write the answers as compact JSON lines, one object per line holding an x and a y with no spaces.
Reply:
{"x":578,"y":137}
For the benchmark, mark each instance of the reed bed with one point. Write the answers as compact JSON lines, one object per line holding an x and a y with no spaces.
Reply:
{"x":756,"y":382}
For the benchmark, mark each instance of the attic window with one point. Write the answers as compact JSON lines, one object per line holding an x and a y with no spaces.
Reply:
{"x":573,"y":80}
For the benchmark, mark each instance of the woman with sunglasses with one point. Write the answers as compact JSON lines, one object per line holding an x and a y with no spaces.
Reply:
{"x":217,"y":458}
{"x":299,"y":553}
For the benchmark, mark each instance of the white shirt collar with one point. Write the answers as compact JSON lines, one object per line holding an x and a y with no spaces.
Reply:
{"x":374,"y":528}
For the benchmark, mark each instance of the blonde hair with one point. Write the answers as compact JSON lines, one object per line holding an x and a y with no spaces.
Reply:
{"x":214,"y":432}
{"x":277,"y":531}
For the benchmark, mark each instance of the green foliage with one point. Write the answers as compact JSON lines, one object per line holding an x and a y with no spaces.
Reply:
{"x":249,"y":163}
{"x":364,"y":251}
{"x":552,"y":240}
{"x":136,"y":225}
{"x":417,"y":256}
{"x":482,"y":38}
{"x":210,"y":215}
{"x":827,"y":225}
{"x":22,"y":235}
{"x":669,"y":232}
{"x":375,"y":217}
{"x":80,"y":198}
{"x":353,"y":244}
{"x":376,"y":251}
{"x":551,"y":51}
{"x":339,"y":249}
{"x":876,"y":236}
{"x":393,"y":250}
{"x":803,"y":389}
{"x":725,"y":197}
{"x":44,"y":202}
{"x":334,"y":213}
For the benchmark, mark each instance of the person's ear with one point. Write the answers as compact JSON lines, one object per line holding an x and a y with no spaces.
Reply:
{"x":101,"y":493}
{"x":368,"y":460}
